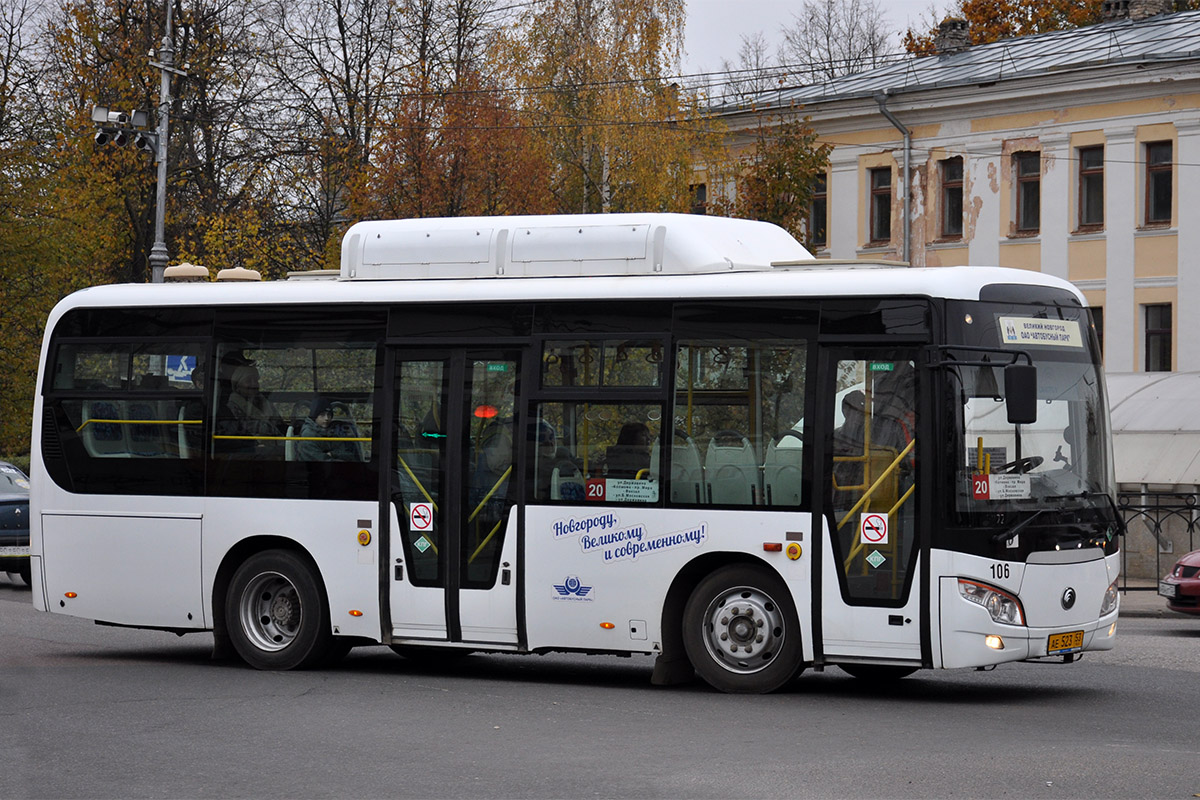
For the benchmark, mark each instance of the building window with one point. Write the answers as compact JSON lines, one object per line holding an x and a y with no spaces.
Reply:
{"x":881,"y":205}
{"x":1028,"y":169}
{"x":699,"y":198}
{"x":1091,"y":187}
{"x":952,"y":197}
{"x":818,"y":213}
{"x":1158,"y":337}
{"x":1158,"y":183}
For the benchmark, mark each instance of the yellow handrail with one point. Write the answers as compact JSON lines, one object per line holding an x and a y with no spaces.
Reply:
{"x":488,"y":496}
{"x":486,"y":539}
{"x":867,"y":494}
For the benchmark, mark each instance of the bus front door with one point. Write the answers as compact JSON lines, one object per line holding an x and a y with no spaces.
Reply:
{"x":450,"y":491}
{"x":870,"y":611}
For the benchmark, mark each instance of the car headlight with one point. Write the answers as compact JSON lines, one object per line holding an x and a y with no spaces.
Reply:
{"x":1000,"y":604}
{"x":1110,"y":600}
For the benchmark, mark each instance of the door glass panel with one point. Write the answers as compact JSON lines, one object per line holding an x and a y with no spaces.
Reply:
{"x":872,"y":474}
{"x":417,"y":474}
{"x":491,"y":393}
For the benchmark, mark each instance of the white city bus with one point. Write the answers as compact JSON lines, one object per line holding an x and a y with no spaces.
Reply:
{"x":660,"y":434}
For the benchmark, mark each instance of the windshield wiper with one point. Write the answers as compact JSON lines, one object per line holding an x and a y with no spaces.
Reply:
{"x":1005,"y":535}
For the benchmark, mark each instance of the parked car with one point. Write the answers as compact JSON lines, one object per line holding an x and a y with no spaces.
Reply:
{"x":1181,"y":586}
{"x":14,"y":521}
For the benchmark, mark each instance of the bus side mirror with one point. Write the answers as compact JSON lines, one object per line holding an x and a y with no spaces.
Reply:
{"x":1020,"y":393}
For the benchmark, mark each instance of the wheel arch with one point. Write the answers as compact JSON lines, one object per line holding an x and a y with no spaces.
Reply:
{"x":234,"y":558}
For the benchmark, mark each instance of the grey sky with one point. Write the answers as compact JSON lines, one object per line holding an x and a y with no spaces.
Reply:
{"x":715,"y":27}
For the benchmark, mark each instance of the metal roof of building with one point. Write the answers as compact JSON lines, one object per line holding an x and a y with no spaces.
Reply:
{"x":1162,"y":39}
{"x":1156,"y":431}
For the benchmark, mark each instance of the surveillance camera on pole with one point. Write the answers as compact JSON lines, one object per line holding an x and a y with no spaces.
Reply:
{"x":122,"y":128}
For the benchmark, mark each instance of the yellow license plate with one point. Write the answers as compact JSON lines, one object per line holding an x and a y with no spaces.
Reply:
{"x":1064,"y":642}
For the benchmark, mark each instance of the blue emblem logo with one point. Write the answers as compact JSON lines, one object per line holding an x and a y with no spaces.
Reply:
{"x":571,"y":587}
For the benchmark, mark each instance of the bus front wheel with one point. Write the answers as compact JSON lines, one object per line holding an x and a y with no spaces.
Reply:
{"x":741,"y":631}
{"x":276,"y":613}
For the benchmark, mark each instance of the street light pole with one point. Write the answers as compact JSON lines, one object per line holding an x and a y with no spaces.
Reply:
{"x":166,"y":54}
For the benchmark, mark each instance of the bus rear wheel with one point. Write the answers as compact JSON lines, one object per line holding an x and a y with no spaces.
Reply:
{"x":741,"y":631}
{"x":276,"y":613}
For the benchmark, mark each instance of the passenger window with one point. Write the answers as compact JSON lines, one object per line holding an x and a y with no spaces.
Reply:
{"x":584,"y":452}
{"x":301,"y":402}
{"x":125,"y":398}
{"x":738,"y":419}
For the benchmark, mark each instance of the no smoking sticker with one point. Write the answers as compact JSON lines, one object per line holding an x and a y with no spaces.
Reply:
{"x":420,"y":516}
{"x":873,"y":528}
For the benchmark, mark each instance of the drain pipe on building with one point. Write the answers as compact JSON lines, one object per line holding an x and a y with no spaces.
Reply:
{"x":881,"y":98}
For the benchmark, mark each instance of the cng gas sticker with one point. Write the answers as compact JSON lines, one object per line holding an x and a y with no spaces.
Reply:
{"x":573,"y":589}
{"x":422,"y":544}
{"x":1040,"y":332}
{"x":1000,"y":487}
{"x":873,"y":528}
{"x":875,"y":559}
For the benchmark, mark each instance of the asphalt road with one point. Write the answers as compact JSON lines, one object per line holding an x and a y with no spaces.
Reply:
{"x":90,"y":711}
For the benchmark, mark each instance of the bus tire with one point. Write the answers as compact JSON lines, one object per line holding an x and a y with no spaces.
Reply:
{"x":877,"y":673}
{"x":741,"y":632}
{"x":276,"y":613}
{"x":26,"y":573}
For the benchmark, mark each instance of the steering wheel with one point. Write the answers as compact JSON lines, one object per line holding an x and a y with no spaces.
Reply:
{"x":1020,"y":465}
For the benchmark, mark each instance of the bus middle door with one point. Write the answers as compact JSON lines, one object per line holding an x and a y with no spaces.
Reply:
{"x":870,"y":610}
{"x":451,"y":488}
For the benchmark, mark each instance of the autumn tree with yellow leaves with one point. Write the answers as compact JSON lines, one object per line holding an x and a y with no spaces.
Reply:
{"x":618,"y":133}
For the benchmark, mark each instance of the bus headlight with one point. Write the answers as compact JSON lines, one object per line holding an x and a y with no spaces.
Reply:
{"x":1110,"y":600}
{"x":1000,"y":604}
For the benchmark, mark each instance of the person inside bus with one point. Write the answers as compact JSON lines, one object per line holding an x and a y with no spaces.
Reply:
{"x":249,"y":413}
{"x":492,"y":472}
{"x":549,"y":456}
{"x":848,"y":441}
{"x":630,"y":456}
{"x":318,"y":442}
{"x":193,"y":414}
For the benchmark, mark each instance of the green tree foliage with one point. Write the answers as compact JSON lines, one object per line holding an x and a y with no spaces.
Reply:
{"x":779,"y":175}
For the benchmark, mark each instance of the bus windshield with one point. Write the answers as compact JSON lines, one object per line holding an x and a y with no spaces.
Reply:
{"x":1060,"y":463}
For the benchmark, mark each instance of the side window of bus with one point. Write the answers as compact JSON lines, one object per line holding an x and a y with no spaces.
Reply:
{"x":597,"y":434}
{"x":737,"y":429}
{"x":306,"y":401}
{"x":119,"y":412}
{"x":596,"y":452}
{"x":125,"y":398}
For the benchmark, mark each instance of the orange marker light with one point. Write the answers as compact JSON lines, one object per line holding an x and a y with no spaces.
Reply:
{"x":354,"y":612}
{"x":70,"y":594}
{"x":773,"y":547}
{"x":486,"y":412}
{"x":608,"y":626}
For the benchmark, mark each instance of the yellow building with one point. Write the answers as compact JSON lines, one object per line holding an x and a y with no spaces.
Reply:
{"x":1076,"y":153}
